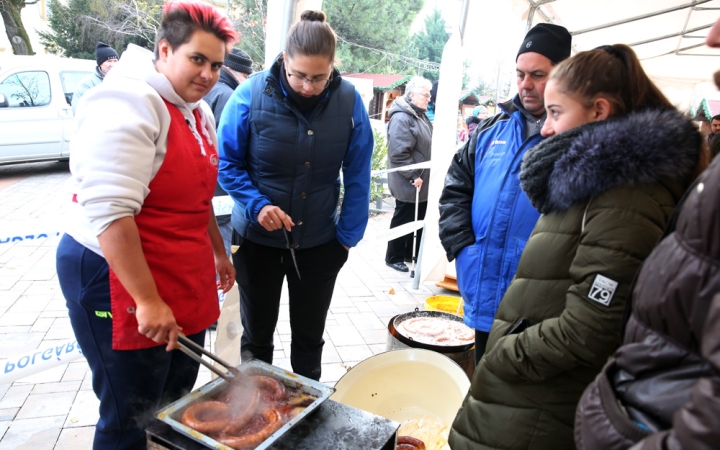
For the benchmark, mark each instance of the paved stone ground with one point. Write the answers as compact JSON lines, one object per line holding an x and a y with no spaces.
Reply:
{"x":57,"y":409}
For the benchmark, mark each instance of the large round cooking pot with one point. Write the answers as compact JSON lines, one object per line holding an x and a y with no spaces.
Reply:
{"x":403,"y":384}
{"x":463,"y":355}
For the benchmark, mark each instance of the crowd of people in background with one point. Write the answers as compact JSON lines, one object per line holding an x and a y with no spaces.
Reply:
{"x":583,"y":219}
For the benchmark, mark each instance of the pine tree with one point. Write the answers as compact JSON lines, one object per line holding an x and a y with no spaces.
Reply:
{"x":428,"y":44}
{"x":362,"y":25}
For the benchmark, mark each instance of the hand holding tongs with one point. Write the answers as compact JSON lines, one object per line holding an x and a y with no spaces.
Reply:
{"x":233,"y":375}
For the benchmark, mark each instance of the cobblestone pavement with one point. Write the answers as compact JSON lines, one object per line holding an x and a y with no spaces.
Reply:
{"x":56,"y":409}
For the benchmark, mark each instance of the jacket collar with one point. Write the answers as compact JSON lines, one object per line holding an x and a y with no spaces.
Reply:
{"x":515,"y":105}
{"x":228,"y":79}
{"x":401,"y":105}
{"x":643,"y":147}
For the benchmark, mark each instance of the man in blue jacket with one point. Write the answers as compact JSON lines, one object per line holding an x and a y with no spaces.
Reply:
{"x":485,"y":218}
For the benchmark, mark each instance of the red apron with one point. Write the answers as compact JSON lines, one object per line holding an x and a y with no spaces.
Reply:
{"x":173,"y":226}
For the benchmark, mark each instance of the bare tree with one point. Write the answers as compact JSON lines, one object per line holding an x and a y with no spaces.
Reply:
{"x":131,"y":18}
{"x":14,"y":28}
{"x":249,"y":19}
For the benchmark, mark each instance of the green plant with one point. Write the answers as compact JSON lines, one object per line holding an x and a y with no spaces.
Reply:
{"x":379,"y":162}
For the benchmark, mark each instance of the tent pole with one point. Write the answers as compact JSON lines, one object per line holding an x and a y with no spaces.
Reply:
{"x":644,"y":16}
{"x":463,"y":19}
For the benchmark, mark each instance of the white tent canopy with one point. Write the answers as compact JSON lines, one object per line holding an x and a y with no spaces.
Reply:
{"x":667,"y":35}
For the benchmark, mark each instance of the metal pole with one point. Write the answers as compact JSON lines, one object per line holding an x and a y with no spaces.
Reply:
{"x":280,"y":15}
{"x":414,"y":253}
{"x":463,"y":19}
{"x":531,"y":14}
{"x":644,"y":16}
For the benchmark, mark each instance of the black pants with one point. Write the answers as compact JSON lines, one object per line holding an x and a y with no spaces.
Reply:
{"x":481,"y":338}
{"x":400,"y":249}
{"x":260,"y":273}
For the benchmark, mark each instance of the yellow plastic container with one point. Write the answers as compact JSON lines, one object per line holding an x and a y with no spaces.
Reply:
{"x":444,"y":303}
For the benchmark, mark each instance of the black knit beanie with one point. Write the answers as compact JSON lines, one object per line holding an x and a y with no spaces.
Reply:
{"x":103,"y":52}
{"x":551,"y":41}
{"x":239,"y":61}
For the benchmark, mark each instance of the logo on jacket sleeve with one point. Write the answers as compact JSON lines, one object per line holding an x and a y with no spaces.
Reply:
{"x":602,"y":290}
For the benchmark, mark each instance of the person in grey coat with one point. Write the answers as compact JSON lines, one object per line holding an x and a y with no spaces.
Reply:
{"x":409,"y":140}
{"x":106,"y":57}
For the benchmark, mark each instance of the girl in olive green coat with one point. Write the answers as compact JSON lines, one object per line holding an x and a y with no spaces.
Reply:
{"x":618,"y":159}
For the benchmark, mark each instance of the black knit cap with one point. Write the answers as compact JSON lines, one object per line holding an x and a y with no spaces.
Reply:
{"x":239,"y":61}
{"x":103,"y":52}
{"x":551,"y":41}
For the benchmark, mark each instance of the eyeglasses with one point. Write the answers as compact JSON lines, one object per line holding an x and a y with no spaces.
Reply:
{"x":298,"y":81}
{"x":425,"y":95}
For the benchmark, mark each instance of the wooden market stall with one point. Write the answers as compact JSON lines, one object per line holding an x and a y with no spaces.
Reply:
{"x":385,"y":89}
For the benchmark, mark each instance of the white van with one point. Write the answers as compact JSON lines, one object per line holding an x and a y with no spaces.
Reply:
{"x":36,"y":120}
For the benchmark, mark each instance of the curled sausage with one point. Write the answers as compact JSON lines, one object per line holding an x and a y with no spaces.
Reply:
{"x":405,"y":447}
{"x":270,"y":415}
{"x":277,"y":388}
{"x":238,"y":423}
{"x":207,"y":417}
{"x":411,"y":441}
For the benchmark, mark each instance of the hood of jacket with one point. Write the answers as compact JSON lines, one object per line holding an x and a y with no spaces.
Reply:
{"x":99,"y":73}
{"x":643,"y":147}
{"x":138,"y":64}
{"x":401,"y":105}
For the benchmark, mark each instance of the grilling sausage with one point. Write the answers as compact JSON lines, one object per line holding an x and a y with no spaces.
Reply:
{"x":207,"y":417}
{"x":239,"y":422}
{"x":277,"y":388}
{"x":228,"y":437}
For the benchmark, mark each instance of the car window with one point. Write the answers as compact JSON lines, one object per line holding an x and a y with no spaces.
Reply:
{"x":70,"y":82}
{"x":27,"y":89}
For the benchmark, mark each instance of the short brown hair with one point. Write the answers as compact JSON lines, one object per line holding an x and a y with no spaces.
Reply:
{"x":613,"y":72}
{"x":312,"y":36}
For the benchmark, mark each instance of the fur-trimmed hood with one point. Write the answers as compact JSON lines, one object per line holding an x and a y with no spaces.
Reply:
{"x":643,"y":147}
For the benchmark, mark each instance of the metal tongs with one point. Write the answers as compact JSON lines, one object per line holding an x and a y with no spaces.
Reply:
{"x":233,"y":375}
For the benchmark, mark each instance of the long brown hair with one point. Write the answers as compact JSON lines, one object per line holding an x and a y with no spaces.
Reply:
{"x":312,"y":36}
{"x":612,"y":72}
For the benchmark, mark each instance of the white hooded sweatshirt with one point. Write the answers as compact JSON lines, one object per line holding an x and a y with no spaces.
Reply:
{"x":120,"y":143}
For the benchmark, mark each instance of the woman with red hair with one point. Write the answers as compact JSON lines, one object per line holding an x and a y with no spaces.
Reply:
{"x":139,"y":260}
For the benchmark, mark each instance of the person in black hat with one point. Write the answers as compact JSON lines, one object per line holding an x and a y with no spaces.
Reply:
{"x":237,"y":67}
{"x":485,"y":218}
{"x":106,"y":57}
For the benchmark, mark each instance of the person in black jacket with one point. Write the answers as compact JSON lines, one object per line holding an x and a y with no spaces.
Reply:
{"x":236,"y":68}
